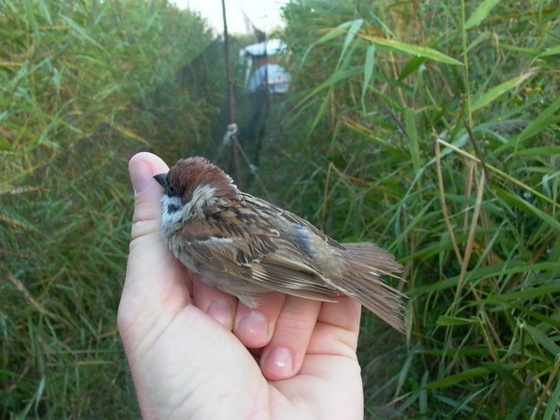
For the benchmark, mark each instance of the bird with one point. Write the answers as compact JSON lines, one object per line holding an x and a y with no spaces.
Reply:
{"x":245,"y":246}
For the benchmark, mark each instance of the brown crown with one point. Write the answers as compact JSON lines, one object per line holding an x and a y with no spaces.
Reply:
{"x":187,"y":174}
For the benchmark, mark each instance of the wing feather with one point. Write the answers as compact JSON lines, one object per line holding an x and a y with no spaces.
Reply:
{"x":264,"y":245}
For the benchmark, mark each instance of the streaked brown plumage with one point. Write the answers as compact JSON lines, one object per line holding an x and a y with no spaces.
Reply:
{"x":245,"y":246}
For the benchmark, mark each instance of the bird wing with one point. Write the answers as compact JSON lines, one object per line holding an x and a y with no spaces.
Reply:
{"x":258,"y":243}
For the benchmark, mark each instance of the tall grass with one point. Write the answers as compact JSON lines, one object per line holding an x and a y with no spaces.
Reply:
{"x":432,"y":128}
{"x":77,"y":83}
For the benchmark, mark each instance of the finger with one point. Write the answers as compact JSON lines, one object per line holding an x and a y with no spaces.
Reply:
{"x":283,"y":356}
{"x":337,"y":329}
{"x":254,"y":326}
{"x":155,"y":281}
{"x":214,"y":302}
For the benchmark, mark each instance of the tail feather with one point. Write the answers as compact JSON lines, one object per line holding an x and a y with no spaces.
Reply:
{"x":366,"y":262}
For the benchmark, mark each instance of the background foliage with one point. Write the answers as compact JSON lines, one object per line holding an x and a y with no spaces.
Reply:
{"x":83,"y":85}
{"x":430,"y":128}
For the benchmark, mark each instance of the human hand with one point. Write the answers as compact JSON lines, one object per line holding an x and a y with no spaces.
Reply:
{"x":196,"y":352}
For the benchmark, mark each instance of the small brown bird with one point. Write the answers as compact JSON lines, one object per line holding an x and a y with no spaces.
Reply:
{"x":244,"y":245}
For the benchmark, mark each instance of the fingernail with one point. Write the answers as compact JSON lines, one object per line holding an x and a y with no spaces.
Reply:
{"x":253,"y":327}
{"x":222,"y":312}
{"x":280,"y":361}
{"x":141,"y":176}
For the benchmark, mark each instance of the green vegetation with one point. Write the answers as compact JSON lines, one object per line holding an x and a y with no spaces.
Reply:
{"x":81,"y":84}
{"x":430,"y":128}
{"x":433,"y":128}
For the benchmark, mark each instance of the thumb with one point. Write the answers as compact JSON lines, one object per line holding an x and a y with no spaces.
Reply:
{"x":147,"y":192}
{"x":156,"y":284}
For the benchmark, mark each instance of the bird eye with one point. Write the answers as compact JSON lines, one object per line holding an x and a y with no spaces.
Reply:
{"x":172,"y":190}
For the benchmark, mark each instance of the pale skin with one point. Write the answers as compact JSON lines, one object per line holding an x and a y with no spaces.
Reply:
{"x":197,"y":353}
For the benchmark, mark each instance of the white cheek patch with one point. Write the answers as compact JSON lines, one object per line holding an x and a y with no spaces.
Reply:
{"x":175,"y":213}
{"x":171,"y":209}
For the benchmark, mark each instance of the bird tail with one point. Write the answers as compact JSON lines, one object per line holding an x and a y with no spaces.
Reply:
{"x":366,"y":262}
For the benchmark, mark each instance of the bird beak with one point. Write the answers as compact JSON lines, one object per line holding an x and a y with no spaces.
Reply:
{"x":162,"y":180}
